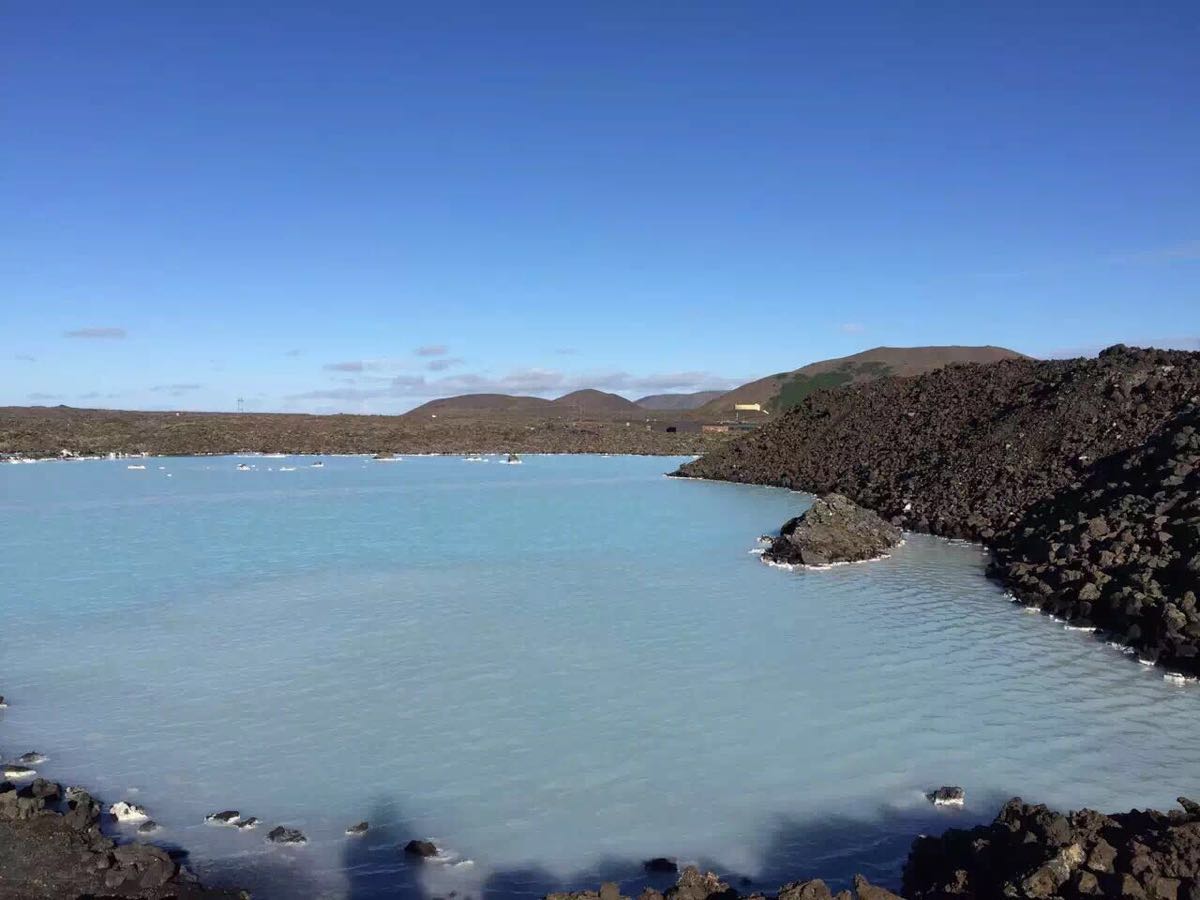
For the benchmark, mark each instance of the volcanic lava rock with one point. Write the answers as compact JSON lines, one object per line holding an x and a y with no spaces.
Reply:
{"x":47,"y":855}
{"x":694,"y":885}
{"x":422,"y":849}
{"x":360,"y":828}
{"x":948,"y":796}
{"x":832,"y":530}
{"x":1121,"y":549}
{"x":1034,"y":852}
{"x":282,"y":835}
{"x":1082,"y":475}
{"x":661,"y":865}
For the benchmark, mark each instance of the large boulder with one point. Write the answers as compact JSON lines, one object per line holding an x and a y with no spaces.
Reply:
{"x":832,"y":530}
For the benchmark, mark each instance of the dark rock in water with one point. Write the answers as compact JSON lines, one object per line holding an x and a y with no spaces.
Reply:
{"x":225,"y":817}
{"x":32,"y":758}
{"x":948,"y":796}
{"x":148,"y":827}
{"x":661,"y":865}
{"x":833,"y":530}
{"x":282,"y":835}
{"x":1191,"y":807}
{"x":423,"y":849}
{"x":360,"y":828}
{"x":247,"y":824}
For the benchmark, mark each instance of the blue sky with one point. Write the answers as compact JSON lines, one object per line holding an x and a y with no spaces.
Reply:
{"x":358,"y":208}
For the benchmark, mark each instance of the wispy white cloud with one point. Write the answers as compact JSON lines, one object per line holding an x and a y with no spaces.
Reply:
{"x":102,"y":334}
{"x":432,"y":350}
{"x":446,"y":362}
{"x":175,"y":389}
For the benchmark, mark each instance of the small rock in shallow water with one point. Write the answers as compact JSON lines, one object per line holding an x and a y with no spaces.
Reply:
{"x":360,"y":828}
{"x":832,"y":530}
{"x":423,"y":849}
{"x":661,"y":864}
{"x":248,"y":823}
{"x":128,"y":812}
{"x":32,"y":758}
{"x":14,"y":771}
{"x":148,"y":827}
{"x":948,"y":796}
{"x":225,"y":817}
{"x":281,"y":835}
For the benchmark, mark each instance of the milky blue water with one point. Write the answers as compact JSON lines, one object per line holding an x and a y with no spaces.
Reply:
{"x":555,"y":670}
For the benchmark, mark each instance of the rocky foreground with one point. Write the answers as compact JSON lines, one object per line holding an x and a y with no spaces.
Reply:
{"x":51,"y":847}
{"x":1028,"y":853}
{"x":1081,"y":474}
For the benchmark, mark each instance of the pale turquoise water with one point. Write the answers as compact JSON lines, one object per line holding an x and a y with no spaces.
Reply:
{"x":555,"y":669}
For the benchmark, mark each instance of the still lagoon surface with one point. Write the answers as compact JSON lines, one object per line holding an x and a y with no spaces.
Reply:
{"x":555,"y":670}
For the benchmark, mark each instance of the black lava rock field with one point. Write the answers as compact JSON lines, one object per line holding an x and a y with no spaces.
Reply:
{"x":1081,"y":474}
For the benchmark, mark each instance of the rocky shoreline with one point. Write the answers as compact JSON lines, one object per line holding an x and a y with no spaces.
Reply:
{"x":1082,"y":476}
{"x":52,"y":847}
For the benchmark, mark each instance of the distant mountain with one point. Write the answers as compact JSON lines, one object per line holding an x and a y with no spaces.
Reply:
{"x":786,"y":389}
{"x":587,"y":402}
{"x":677,"y":402}
{"x":593,"y":401}
{"x":469,"y":404}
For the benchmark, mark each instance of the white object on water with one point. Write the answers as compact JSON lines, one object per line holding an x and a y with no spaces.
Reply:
{"x":18,"y":772}
{"x":135,"y":468}
{"x":128,"y":812}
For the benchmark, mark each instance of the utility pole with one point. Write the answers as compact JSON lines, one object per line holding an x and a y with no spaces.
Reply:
{"x":241,"y":405}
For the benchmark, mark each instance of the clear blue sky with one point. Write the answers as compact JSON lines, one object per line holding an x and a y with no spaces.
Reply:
{"x":356,"y":206}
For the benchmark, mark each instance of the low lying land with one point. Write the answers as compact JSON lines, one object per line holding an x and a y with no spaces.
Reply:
{"x":48,"y":431}
{"x":1083,"y":475}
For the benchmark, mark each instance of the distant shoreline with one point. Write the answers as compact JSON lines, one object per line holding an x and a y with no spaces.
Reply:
{"x":52,"y":432}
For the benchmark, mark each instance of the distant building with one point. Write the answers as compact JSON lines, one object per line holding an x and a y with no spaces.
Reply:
{"x":748,"y":407}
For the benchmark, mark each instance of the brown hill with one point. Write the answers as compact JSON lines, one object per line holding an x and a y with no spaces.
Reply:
{"x":592,"y":401}
{"x":472,"y":404}
{"x":786,"y":389}
{"x":677,"y":402}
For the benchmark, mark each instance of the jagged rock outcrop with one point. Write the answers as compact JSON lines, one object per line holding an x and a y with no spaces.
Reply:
{"x":1081,"y":474}
{"x":1121,"y":549}
{"x":1034,"y":852}
{"x":47,"y":854}
{"x":832,"y":530}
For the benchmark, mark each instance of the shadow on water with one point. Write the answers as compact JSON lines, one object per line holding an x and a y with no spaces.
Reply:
{"x":835,"y":848}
